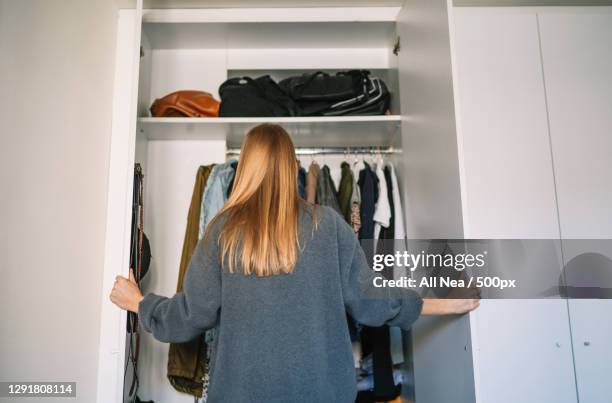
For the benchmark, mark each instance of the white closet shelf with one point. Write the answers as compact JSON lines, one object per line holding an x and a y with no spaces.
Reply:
{"x":261,"y":29}
{"x":321,"y":131}
{"x":295,"y":119}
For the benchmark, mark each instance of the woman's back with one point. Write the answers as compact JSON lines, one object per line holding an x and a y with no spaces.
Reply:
{"x":283,"y":337}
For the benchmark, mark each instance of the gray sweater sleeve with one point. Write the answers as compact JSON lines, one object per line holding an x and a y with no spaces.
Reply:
{"x":367,"y":304}
{"x":190,"y":312}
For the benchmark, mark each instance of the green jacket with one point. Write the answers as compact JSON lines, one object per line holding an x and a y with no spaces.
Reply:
{"x":186,"y":361}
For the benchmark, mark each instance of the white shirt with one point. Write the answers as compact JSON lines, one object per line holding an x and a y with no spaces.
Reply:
{"x":398,"y":213}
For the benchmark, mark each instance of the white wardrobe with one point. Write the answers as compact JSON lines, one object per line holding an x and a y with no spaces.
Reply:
{"x":484,"y":133}
{"x":533,"y":99}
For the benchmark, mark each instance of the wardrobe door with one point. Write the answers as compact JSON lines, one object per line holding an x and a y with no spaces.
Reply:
{"x":521,"y":348}
{"x":429,"y":172}
{"x":111,"y":353}
{"x":429,"y":166}
{"x":577,"y":58}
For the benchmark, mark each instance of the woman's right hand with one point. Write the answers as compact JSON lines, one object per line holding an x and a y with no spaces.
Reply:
{"x":435,"y":306}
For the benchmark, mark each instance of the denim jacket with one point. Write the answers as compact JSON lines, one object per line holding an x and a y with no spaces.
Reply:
{"x":215,"y":193}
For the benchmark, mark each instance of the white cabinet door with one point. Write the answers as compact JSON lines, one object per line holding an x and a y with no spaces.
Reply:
{"x":507,"y":182}
{"x":522,"y":349}
{"x":577,"y":59}
{"x":429,"y":174}
{"x":429,"y":163}
{"x":111,"y":358}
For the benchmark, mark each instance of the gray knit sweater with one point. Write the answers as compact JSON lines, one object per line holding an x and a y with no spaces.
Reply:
{"x":280,"y":338}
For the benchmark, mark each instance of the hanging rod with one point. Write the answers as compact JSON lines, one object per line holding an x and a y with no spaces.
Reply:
{"x":332,"y":150}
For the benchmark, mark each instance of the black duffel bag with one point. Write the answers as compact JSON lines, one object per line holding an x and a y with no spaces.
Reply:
{"x":320,"y":86}
{"x":260,"y":97}
{"x":374,"y":101}
{"x":345,"y":93}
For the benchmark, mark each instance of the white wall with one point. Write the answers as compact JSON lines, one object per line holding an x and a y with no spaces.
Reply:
{"x":56,"y":76}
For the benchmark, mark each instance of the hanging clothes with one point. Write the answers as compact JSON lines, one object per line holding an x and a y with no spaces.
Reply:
{"x":230,"y":186}
{"x":355,"y":204}
{"x":382,"y":212}
{"x":335,"y":172}
{"x":345,"y":191}
{"x":377,"y":340}
{"x":345,"y":198}
{"x":215,"y":193}
{"x":302,"y":183}
{"x":368,"y":188}
{"x":393,"y":237}
{"x":377,"y":192}
{"x":398,"y":217}
{"x":186,"y":361}
{"x":386,"y":232}
{"x":193,"y":220}
{"x":326,"y":190}
{"x":311,"y":182}
{"x":397,"y":234}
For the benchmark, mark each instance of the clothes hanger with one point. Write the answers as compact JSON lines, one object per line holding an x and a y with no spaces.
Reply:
{"x":356,"y":161}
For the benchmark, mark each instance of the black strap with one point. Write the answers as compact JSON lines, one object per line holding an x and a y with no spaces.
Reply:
{"x":136,"y":249}
{"x":310,"y":78}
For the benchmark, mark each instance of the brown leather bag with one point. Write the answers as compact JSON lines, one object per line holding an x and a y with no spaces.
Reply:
{"x":186,"y":104}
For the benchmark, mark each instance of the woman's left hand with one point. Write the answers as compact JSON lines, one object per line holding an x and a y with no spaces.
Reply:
{"x":126,"y":294}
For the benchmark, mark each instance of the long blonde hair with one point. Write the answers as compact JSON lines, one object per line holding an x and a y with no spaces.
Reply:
{"x":260,"y":231}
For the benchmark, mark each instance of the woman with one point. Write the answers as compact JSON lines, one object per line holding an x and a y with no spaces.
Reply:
{"x":276,"y":276}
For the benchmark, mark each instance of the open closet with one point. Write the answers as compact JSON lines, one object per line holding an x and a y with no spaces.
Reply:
{"x":422,"y":50}
{"x":162,"y":50}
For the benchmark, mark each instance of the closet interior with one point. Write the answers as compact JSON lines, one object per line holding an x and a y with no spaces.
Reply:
{"x":200,"y":49}
{"x":162,"y":50}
